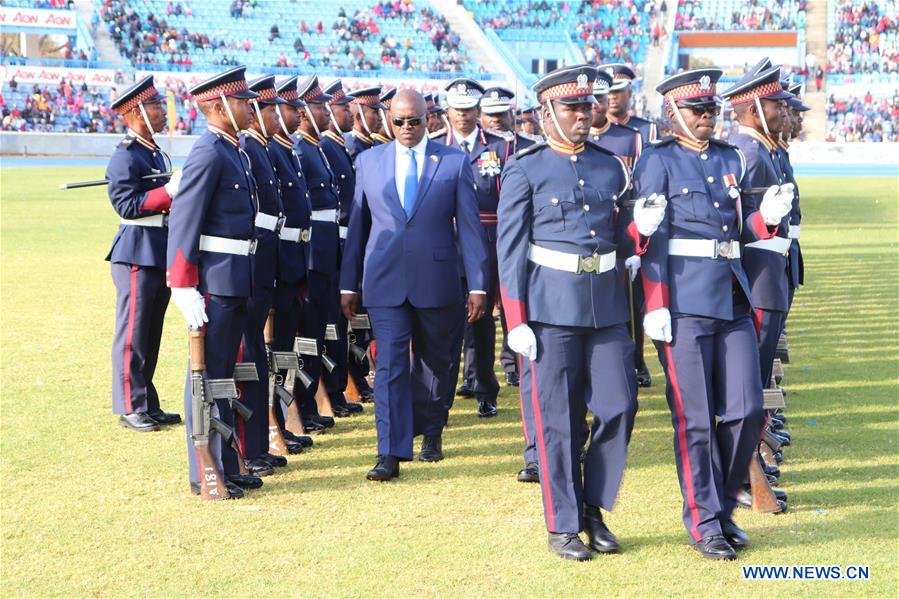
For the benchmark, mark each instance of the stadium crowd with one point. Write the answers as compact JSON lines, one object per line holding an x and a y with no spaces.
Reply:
{"x":866,"y":38}
{"x":153,"y":40}
{"x":863,"y":118}
{"x":770,"y":15}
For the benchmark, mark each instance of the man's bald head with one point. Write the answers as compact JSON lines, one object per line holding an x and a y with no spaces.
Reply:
{"x":408,"y":117}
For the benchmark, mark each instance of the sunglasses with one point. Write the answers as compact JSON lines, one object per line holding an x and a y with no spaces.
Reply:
{"x":712,"y":109}
{"x":410,"y":122}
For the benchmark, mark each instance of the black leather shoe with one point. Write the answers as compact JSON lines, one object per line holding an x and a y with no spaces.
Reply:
{"x":529,"y":474}
{"x":643,"y":378}
{"x":259,"y":467}
{"x":341,"y":411}
{"x":431,"y":449}
{"x":465,"y":389}
{"x":313,"y":428}
{"x":354,"y":408}
{"x":164,"y":418}
{"x":744,"y":499}
{"x":734,"y":535}
{"x":366,"y":396}
{"x":770,"y":470}
{"x":780,"y":495}
{"x":293,"y":448}
{"x":245,"y":481}
{"x":486,"y":409}
{"x":512,"y":379}
{"x":599,"y":537}
{"x":303,"y":440}
{"x":387,"y":468}
{"x":277,"y":461}
{"x":325,"y":421}
{"x":569,"y":546}
{"x":138,"y":422}
{"x":715,"y":547}
{"x":234,"y":492}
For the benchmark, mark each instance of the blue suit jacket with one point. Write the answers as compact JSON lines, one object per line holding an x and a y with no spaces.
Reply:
{"x":415,"y":258}
{"x":133,"y":197}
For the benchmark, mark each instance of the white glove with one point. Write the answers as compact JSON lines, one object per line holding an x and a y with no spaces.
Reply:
{"x":657,"y":325}
{"x":776,"y":203}
{"x":632,"y":265}
{"x":191,"y":304}
{"x":648,"y":218}
{"x":522,"y":341}
{"x":171,"y":187}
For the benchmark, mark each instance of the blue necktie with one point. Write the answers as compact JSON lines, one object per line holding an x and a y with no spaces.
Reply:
{"x":410,"y":187}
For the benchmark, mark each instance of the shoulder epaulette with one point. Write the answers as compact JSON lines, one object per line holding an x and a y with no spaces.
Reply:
{"x":662,"y":141}
{"x":530,"y":149}
{"x":596,"y":146}
{"x":721,"y":142}
{"x":634,"y":129}
{"x":497,"y":135}
{"x":438,"y":133}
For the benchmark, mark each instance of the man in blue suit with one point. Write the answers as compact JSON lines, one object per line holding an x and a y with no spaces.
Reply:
{"x":402,"y":246}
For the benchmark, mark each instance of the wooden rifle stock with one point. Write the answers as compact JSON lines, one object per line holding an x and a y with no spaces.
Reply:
{"x":763,"y":499}
{"x":212,"y":483}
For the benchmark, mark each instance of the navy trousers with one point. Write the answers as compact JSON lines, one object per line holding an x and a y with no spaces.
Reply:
{"x":313,"y":321}
{"x":773,"y":322}
{"x":716,"y":409}
{"x":253,"y":434}
{"x":287,"y":300}
{"x":141,"y":300}
{"x":638,"y":307}
{"x":481,"y":338}
{"x":227,"y":321}
{"x":335,"y":381}
{"x":412,"y":396}
{"x":527,"y":411}
{"x":507,"y":358}
{"x":577,"y":369}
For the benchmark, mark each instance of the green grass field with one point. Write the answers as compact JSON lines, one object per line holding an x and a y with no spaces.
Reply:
{"x":91,"y":509}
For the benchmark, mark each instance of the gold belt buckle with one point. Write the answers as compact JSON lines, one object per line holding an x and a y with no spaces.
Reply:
{"x":305,"y":235}
{"x":726,"y":250}
{"x":588,"y":264}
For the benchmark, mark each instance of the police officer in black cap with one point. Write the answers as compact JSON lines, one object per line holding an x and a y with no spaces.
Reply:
{"x":437,"y":122}
{"x":384,"y":135}
{"x":367,"y":120}
{"x":620,"y":99}
{"x":138,"y":256}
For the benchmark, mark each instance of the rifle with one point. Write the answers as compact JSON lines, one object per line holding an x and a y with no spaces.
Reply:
{"x":302,"y":346}
{"x":243,"y":372}
{"x":360,"y":322}
{"x":204,"y":392}
{"x":100,"y":182}
{"x":277,"y":362}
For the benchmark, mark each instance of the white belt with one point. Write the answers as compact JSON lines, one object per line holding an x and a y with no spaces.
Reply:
{"x":343,"y":232}
{"x":575,"y":263}
{"x":157,"y":220}
{"x":295,"y":234}
{"x":704,"y":248}
{"x":325,"y":216}
{"x":780,"y":245}
{"x":226,"y":245}
{"x":793,"y":233}
{"x":268,"y":221}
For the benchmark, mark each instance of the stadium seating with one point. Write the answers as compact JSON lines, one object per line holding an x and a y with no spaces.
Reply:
{"x":863,"y":37}
{"x":726,"y":15}
{"x":79,"y":110}
{"x":606,"y":31}
{"x":334,"y":38}
{"x":863,"y":119}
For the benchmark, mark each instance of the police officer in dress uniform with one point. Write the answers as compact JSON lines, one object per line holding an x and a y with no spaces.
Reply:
{"x":699,"y":305}
{"x":138,"y":257}
{"x":758,"y":101}
{"x":255,"y":140}
{"x":384,"y":135}
{"x":334,"y":147}
{"x":294,"y":248}
{"x":485,"y":151}
{"x":497,"y":117}
{"x":210,"y":246}
{"x":529,"y":124}
{"x":321,"y":276}
{"x":559,"y":237}
{"x":796,"y":265}
{"x":620,"y":99}
{"x":626,"y":143}
{"x":366,"y":120}
{"x":437,"y":122}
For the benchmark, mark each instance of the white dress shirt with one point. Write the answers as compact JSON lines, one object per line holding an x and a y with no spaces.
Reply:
{"x":402,"y":165}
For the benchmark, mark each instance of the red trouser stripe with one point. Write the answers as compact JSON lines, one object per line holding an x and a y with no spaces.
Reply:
{"x":524,"y":424}
{"x":682,"y":444}
{"x":132,"y":309}
{"x":541,"y":445}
